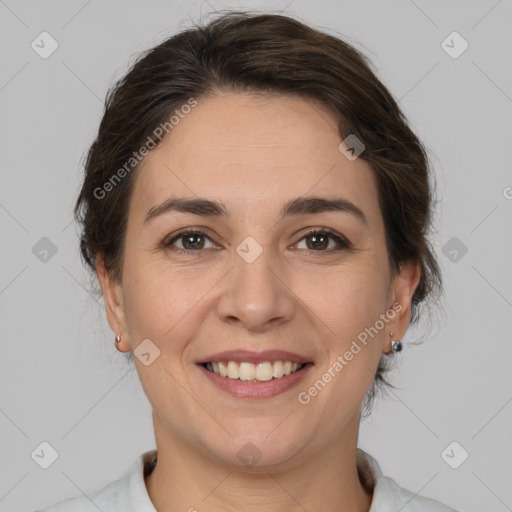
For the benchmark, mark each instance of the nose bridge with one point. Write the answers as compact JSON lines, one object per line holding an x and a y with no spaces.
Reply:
{"x":253,"y":276}
{"x":256,"y":293}
{"x":253,"y":264}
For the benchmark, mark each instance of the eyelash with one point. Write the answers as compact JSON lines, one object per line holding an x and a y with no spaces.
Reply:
{"x":341,"y":241}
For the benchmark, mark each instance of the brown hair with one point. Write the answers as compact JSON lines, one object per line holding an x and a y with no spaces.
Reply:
{"x":260,"y":53}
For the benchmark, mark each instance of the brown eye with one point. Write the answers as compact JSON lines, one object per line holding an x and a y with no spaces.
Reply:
{"x":318,"y":241}
{"x":190,"y":241}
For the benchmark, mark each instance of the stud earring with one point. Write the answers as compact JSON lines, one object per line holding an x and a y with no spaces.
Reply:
{"x":396,"y":345}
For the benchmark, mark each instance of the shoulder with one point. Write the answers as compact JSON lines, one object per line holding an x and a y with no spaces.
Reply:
{"x":107,"y":499}
{"x":126,"y":493}
{"x":407,"y":501}
{"x":388,"y":495}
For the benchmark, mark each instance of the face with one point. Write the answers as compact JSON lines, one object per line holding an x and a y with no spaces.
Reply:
{"x":269,"y":274}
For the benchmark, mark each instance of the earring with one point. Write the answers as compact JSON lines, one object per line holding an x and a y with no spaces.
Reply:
{"x":117,"y":340}
{"x":396,"y":345}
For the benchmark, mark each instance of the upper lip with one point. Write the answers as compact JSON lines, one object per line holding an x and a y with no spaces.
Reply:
{"x":253,"y":357}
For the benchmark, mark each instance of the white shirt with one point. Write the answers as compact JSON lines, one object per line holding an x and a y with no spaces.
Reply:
{"x":129,"y":493}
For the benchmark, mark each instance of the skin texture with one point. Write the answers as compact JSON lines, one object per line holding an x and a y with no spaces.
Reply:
{"x":254,"y":153}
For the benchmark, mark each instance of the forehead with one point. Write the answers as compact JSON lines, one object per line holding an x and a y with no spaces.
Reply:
{"x":254,"y":153}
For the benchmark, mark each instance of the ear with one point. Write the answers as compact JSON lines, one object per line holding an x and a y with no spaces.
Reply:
{"x":114,"y":304}
{"x":403,"y":286}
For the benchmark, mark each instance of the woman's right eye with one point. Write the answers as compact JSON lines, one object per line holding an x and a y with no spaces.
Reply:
{"x":190,"y":241}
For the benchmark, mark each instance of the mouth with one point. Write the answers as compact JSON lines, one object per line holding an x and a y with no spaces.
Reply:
{"x":254,"y":375}
{"x":250,"y":372}
{"x":254,"y":381}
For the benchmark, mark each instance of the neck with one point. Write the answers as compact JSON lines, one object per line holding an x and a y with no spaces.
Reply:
{"x":326,"y":480}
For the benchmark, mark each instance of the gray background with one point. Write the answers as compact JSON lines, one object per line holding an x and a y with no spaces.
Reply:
{"x":63,"y":382}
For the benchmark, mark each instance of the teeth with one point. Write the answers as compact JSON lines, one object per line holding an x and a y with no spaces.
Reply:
{"x":233,"y":370}
{"x":264,"y":371}
{"x":254,"y":372}
{"x":223,"y":369}
{"x":247,"y":371}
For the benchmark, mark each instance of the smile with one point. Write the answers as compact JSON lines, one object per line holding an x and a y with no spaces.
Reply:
{"x":276,"y":377}
{"x":260,"y":372}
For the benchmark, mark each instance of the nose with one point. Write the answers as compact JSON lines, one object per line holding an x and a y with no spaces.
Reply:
{"x":256,"y":294}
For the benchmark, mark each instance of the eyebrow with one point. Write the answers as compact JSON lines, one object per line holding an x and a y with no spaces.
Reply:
{"x":299,"y":206}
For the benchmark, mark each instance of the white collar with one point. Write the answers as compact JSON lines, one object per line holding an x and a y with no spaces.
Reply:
{"x":388,"y":496}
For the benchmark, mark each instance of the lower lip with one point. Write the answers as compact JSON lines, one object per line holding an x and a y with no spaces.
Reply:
{"x":265,"y":389}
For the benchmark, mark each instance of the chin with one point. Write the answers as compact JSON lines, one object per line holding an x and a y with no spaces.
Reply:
{"x":266,"y":448}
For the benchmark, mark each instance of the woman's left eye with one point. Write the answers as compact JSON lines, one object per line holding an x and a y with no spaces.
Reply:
{"x":320,"y":240}
{"x":194,"y":241}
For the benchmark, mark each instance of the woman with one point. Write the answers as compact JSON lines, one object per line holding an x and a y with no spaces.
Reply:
{"x":255,"y":208}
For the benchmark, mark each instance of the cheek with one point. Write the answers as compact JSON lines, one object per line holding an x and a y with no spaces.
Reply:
{"x":349,"y":299}
{"x":348,"y":305}
{"x":150,"y":301}
{"x":161,"y":302}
